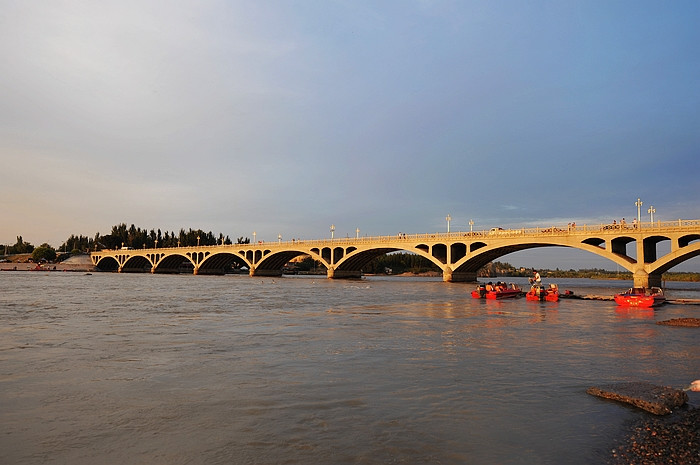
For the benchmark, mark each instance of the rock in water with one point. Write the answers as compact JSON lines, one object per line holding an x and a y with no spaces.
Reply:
{"x":659,"y":400}
{"x":687,"y":322}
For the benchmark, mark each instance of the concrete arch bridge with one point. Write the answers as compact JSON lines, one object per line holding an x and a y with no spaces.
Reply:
{"x":458,"y":254}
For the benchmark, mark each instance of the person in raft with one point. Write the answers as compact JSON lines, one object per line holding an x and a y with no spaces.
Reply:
{"x":537,"y":279}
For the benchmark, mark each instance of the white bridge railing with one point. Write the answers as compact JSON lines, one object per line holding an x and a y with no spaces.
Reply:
{"x":567,"y":230}
{"x":678,"y":225}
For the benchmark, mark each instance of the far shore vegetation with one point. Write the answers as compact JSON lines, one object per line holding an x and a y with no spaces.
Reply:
{"x":398,"y":263}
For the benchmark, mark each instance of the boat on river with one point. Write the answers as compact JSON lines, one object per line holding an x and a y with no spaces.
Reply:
{"x":540,"y":292}
{"x":498,"y":291}
{"x":641,"y":297}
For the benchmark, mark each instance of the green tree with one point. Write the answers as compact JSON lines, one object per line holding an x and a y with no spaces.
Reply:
{"x":136,"y":237}
{"x":21,"y":247}
{"x":44,"y":252}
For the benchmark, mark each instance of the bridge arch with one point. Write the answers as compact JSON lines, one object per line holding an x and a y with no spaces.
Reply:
{"x":674,"y":258}
{"x":136,"y":264}
{"x":218,"y":262}
{"x":107,"y":263}
{"x":351,"y":264}
{"x":273,"y":263}
{"x":488,"y":253}
{"x":172,"y":263}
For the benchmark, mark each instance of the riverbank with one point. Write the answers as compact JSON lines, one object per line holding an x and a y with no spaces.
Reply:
{"x":78,"y":263}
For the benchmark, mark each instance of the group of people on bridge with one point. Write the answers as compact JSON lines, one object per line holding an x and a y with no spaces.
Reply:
{"x":622,"y":224}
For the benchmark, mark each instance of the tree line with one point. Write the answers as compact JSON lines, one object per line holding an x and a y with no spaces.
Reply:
{"x":122,"y":235}
{"x":138,"y":238}
{"x":43,"y":252}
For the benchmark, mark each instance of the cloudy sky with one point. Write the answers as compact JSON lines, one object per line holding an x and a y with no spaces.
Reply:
{"x":284,"y":117}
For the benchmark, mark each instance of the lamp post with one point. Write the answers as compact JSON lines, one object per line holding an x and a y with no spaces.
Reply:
{"x":357,"y":233}
{"x":178,"y":243}
{"x":197,"y":240}
{"x":639,"y":203}
{"x":448,"y":218}
{"x":651,"y":212}
{"x":279,"y":238}
{"x":332,"y":231}
{"x":254,"y":234}
{"x":156,"y":241}
{"x":471,"y":226}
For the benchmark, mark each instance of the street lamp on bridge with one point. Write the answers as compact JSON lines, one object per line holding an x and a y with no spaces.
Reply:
{"x":332,"y":231}
{"x":448,"y":218}
{"x":197,"y":240}
{"x":357,"y":233}
{"x":651,"y":212}
{"x":279,"y":238}
{"x":471,"y":226}
{"x":254,"y":234}
{"x":639,"y":203}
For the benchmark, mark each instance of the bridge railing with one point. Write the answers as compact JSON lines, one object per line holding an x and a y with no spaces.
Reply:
{"x":557,"y":230}
{"x":585,"y":229}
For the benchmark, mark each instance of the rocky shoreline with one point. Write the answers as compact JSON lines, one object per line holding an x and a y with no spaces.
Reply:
{"x":674,"y":439}
{"x":671,"y":436}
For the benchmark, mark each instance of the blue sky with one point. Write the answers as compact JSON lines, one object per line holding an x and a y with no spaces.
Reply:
{"x":284,"y":117}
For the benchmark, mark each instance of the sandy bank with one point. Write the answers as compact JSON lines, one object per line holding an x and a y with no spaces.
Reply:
{"x":76,"y":263}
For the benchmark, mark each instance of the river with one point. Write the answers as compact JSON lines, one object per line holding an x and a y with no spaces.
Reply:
{"x":179,"y":369}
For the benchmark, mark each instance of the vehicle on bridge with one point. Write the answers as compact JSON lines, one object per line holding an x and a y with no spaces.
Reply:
{"x":641,"y":297}
{"x":540,"y":292}
{"x":504,"y":232}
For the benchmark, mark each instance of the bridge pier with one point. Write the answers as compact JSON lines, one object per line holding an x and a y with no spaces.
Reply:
{"x":343,"y":274}
{"x":644,"y":279}
{"x":160,"y":270}
{"x":332,"y":273}
{"x":205,"y":271}
{"x":132,"y":270}
{"x":450,"y":276}
{"x":264,"y":272}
